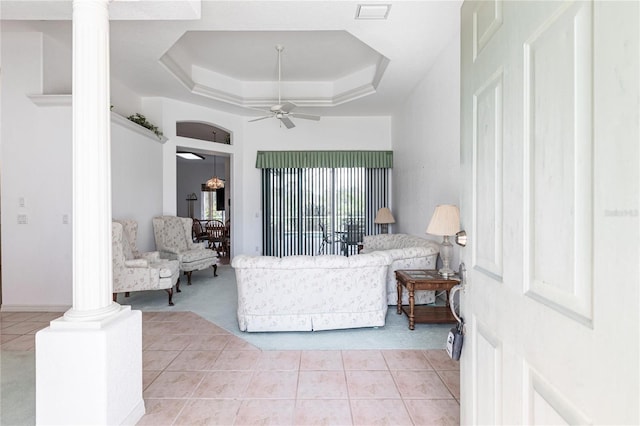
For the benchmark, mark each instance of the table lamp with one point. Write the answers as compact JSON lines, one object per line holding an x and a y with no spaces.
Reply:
{"x":384,"y":218}
{"x":445,"y":222}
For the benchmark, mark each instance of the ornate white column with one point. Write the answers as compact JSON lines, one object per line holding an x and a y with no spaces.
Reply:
{"x":89,"y":362}
{"x":92,"y":272}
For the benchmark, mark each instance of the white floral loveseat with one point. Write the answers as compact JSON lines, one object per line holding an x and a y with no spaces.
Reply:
{"x":407,"y":252}
{"x":303,"y":293}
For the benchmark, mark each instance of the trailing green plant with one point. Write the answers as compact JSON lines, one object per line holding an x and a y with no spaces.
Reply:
{"x":142,"y":120}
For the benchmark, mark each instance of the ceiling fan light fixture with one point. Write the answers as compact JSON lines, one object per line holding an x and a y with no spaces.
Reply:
{"x":282,"y":110}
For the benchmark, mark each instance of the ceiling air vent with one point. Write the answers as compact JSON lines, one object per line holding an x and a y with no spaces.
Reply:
{"x":372,"y":11}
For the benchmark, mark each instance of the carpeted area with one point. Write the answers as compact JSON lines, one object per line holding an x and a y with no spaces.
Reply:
{"x":17,"y":387}
{"x":216,"y":300}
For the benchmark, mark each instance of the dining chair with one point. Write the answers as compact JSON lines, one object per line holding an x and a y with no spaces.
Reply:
{"x":199,"y":232}
{"x":217,"y":235}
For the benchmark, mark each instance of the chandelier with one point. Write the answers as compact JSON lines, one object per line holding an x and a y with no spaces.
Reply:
{"x":215,"y":183}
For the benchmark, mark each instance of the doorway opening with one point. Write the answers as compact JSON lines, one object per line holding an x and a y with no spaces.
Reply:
{"x":203,"y":183}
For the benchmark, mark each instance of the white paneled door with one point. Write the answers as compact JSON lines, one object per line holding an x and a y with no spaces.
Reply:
{"x":550,"y":164}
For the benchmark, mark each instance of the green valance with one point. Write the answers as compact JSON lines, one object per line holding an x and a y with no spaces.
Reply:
{"x":324,"y":159}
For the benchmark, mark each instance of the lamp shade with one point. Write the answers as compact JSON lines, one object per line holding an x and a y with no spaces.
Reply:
{"x":384,"y":216}
{"x":445,"y":220}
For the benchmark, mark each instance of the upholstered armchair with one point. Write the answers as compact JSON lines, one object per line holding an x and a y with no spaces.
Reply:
{"x":135,"y":271}
{"x":174,"y":241}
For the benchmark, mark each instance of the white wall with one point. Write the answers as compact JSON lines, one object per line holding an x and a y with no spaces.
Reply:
{"x":136,"y":180}
{"x":36,"y":166}
{"x":36,"y":155}
{"x":330,"y":133}
{"x":426,"y":144}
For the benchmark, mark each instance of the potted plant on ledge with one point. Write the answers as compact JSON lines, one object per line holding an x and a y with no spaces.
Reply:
{"x":142,"y":121}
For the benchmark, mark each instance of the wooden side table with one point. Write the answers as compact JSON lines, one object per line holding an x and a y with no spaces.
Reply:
{"x":424,"y":279}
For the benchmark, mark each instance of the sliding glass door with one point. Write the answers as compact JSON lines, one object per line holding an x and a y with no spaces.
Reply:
{"x":320,"y":210}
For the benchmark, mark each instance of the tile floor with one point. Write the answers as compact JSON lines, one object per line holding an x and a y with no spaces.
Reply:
{"x":195,"y":372}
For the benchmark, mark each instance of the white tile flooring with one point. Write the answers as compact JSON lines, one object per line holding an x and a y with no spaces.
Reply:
{"x":196,"y":373}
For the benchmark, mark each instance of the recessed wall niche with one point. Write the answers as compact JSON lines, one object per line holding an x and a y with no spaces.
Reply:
{"x":202,"y":131}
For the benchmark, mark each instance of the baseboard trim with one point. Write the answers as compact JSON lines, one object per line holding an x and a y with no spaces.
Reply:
{"x":136,"y":414}
{"x":34,"y":308}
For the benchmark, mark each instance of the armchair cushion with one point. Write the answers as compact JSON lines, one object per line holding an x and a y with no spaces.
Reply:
{"x":152,"y":256}
{"x":136,"y":263}
{"x":196,"y":255}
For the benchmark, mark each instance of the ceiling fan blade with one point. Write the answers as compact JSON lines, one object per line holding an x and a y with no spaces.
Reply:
{"x":287,"y":122}
{"x":305,"y":116}
{"x":260,"y":118}
{"x":287,"y":106}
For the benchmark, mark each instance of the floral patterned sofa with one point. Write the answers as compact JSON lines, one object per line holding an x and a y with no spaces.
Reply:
{"x":303,"y":293}
{"x":407,"y":252}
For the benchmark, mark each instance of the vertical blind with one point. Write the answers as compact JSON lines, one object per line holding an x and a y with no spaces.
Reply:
{"x":298,"y":202}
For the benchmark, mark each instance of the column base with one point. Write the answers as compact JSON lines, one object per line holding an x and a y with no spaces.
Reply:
{"x":94,"y":315}
{"x":90,"y":372}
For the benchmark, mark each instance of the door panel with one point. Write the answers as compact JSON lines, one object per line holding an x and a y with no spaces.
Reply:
{"x":487,"y":163}
{"x":550,"y":160}
{"x":488,"y":383}
{"x":558,"y":189}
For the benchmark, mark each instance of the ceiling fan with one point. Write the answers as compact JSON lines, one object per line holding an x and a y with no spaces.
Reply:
{"x":282,"y":111}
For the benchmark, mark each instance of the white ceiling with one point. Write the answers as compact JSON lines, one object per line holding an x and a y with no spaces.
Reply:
{"x":333,"y":64}
{"x":251,"y":55}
